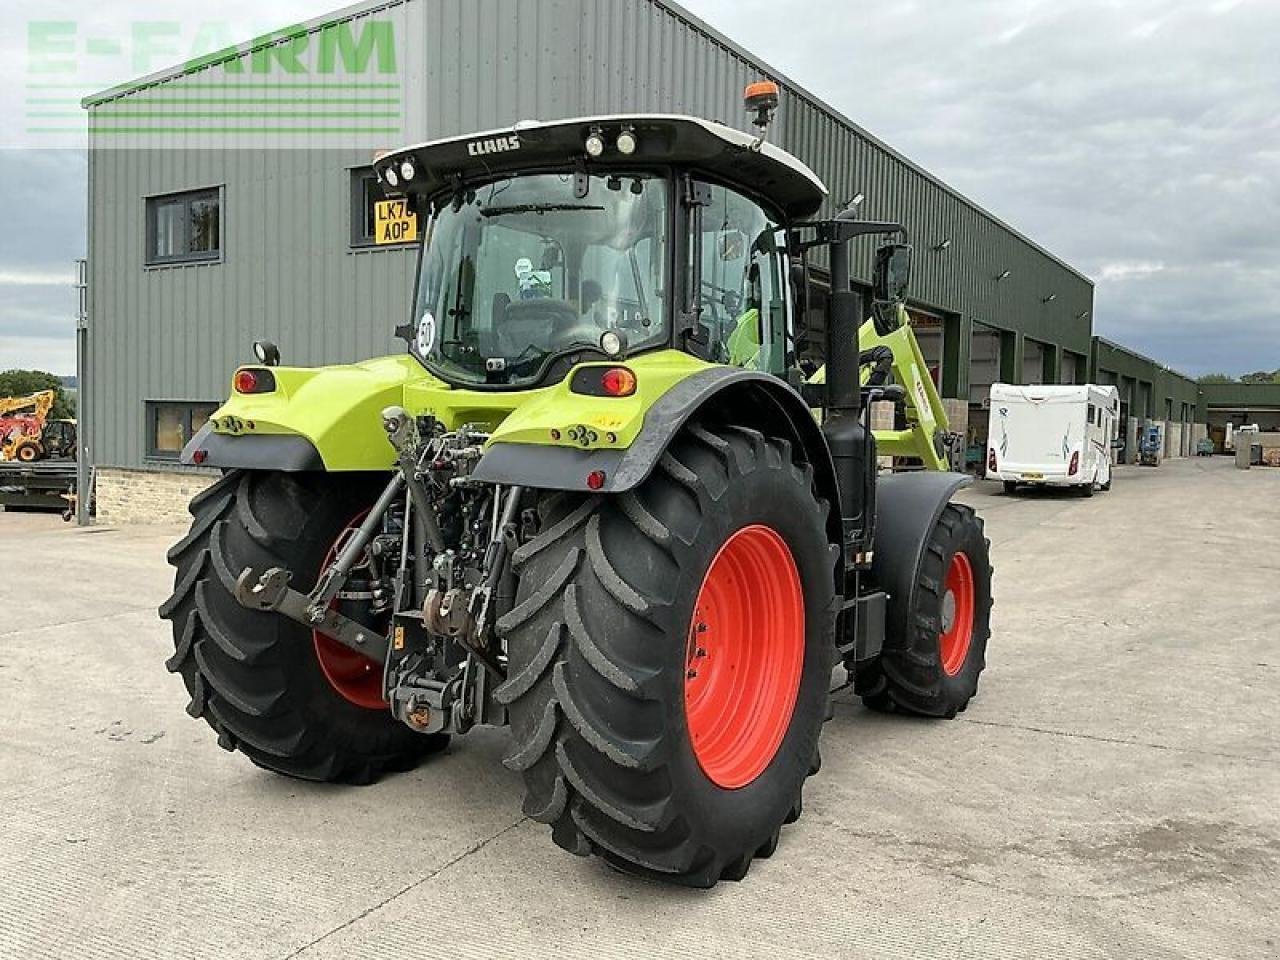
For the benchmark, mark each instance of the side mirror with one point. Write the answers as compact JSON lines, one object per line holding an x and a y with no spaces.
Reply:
{"x":892,"y":273}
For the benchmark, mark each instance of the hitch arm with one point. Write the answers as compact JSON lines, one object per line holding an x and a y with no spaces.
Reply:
{"x":270,"y":592}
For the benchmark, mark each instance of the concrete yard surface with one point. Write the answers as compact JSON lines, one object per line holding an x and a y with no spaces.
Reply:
{"x":1114,"y":790}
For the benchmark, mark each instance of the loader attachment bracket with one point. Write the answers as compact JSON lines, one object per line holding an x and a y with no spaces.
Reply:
{"x":270,"y":592}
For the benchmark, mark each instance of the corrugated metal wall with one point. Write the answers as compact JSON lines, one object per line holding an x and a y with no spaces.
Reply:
{"x":1145,"y":385}
{"x":288,"y":271}
{"x":1242,"y":396}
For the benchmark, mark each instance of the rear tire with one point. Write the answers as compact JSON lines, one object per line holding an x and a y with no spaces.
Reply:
{"x":604,"y":646}
{"x":255,"y":677}
{"x":933,"y":656}
{"x":1010,"y":486}
{"x":1087,"y":489}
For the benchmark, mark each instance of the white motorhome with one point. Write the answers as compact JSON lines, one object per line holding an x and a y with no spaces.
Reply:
{"x":1053,"y":436}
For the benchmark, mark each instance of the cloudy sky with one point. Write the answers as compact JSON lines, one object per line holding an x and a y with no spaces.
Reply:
{"x":1137,"y":139}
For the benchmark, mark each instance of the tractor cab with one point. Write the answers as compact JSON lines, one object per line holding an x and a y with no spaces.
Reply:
{"x":592,"y":239}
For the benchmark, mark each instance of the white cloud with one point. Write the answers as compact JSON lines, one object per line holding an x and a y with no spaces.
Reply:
{"x":1132,"y":270}
{"x":1011,"y":34}
{"x":38,"y":353}
{"x":35,"y":278}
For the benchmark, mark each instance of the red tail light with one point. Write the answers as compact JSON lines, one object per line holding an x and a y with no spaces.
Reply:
{"x":603,"y":382}
{"x":991,"y":460}
{"x":1075,"y":463}
{"x":254,"y":381}
{"x":618,"y":382}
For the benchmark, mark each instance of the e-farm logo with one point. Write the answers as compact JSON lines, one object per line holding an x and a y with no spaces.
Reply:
{"x":306,"y":81}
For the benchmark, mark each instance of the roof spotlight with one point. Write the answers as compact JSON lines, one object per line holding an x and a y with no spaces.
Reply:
{"x":613,"y":342}
{"x":595,"y":143}
{"x":406,"y":170}
{"x":268,"y":353}
{"x":627,"y":141}
{"x":389,"y":175}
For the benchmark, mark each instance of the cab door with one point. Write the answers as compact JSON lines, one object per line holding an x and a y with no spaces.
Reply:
{"x":744,"y":296}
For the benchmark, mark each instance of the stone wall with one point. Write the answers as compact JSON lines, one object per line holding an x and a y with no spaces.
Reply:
{"x":882,"y":419}
{"x":146,"y":496}
{"x":957,"y":415}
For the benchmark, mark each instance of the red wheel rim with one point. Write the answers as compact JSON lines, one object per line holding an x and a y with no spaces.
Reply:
{"x":745,"y":656}
{"x":356,"y":678}
{"x":957,"y":615}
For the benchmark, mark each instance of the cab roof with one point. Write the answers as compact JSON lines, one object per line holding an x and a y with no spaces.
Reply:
{"x":700,"y":145}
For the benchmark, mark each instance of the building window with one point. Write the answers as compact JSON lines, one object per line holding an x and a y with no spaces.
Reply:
{"x":171,"y":423}
{"x":184,"y":227}
{"x":366,"y":194}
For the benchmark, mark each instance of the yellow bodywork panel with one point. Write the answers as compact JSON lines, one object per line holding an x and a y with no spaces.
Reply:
{"x":339,"y":408}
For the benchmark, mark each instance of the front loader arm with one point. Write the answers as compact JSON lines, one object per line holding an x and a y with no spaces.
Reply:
{"x":927,"y":422}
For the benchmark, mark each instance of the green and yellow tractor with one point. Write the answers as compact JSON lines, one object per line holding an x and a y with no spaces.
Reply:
{"x":596,"y":501}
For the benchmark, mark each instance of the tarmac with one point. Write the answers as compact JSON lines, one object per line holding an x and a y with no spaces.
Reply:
{"x":1114,"y":790}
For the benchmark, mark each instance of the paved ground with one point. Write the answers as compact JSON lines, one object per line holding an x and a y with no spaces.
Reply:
{"x":1113,"y":792}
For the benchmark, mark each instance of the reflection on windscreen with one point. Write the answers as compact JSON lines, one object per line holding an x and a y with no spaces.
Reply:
{"x":520,"y":271}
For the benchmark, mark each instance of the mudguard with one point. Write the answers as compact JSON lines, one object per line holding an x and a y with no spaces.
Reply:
{"x":264,"y":452}
{"x":907,"y":507}
{"x":746,"y":397}
{"x":313,"y":418}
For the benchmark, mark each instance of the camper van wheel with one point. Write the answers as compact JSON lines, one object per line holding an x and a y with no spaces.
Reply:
{"x":1010,"y":486}
{"x":1087,"y":489}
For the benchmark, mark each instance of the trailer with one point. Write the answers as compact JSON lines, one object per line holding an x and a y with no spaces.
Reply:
{"x":39,"y":485}
{"x":1052,"y":436}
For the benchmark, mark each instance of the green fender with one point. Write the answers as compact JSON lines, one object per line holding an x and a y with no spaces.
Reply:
{"x":744,"y":397}
{"x":326,"y":418}
{"x":330,"y":418}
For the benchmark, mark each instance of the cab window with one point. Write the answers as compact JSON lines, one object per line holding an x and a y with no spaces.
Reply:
{"x":743,"y":295}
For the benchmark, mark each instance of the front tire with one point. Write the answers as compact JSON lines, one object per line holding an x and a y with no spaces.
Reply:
{"x":632,"y":612}
{"x":257,"y":678}
{"x":935,"y":651}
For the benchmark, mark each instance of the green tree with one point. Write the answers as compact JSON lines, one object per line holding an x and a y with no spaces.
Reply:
{"x":1216,"y":378}
{"x":19,"y":383}
{"x":1259,"y":376}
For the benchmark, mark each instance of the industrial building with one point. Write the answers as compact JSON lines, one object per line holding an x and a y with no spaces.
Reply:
{"x":203,"y":236}
{"x":1239,"y":404}
{"x":1149,"y":393}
